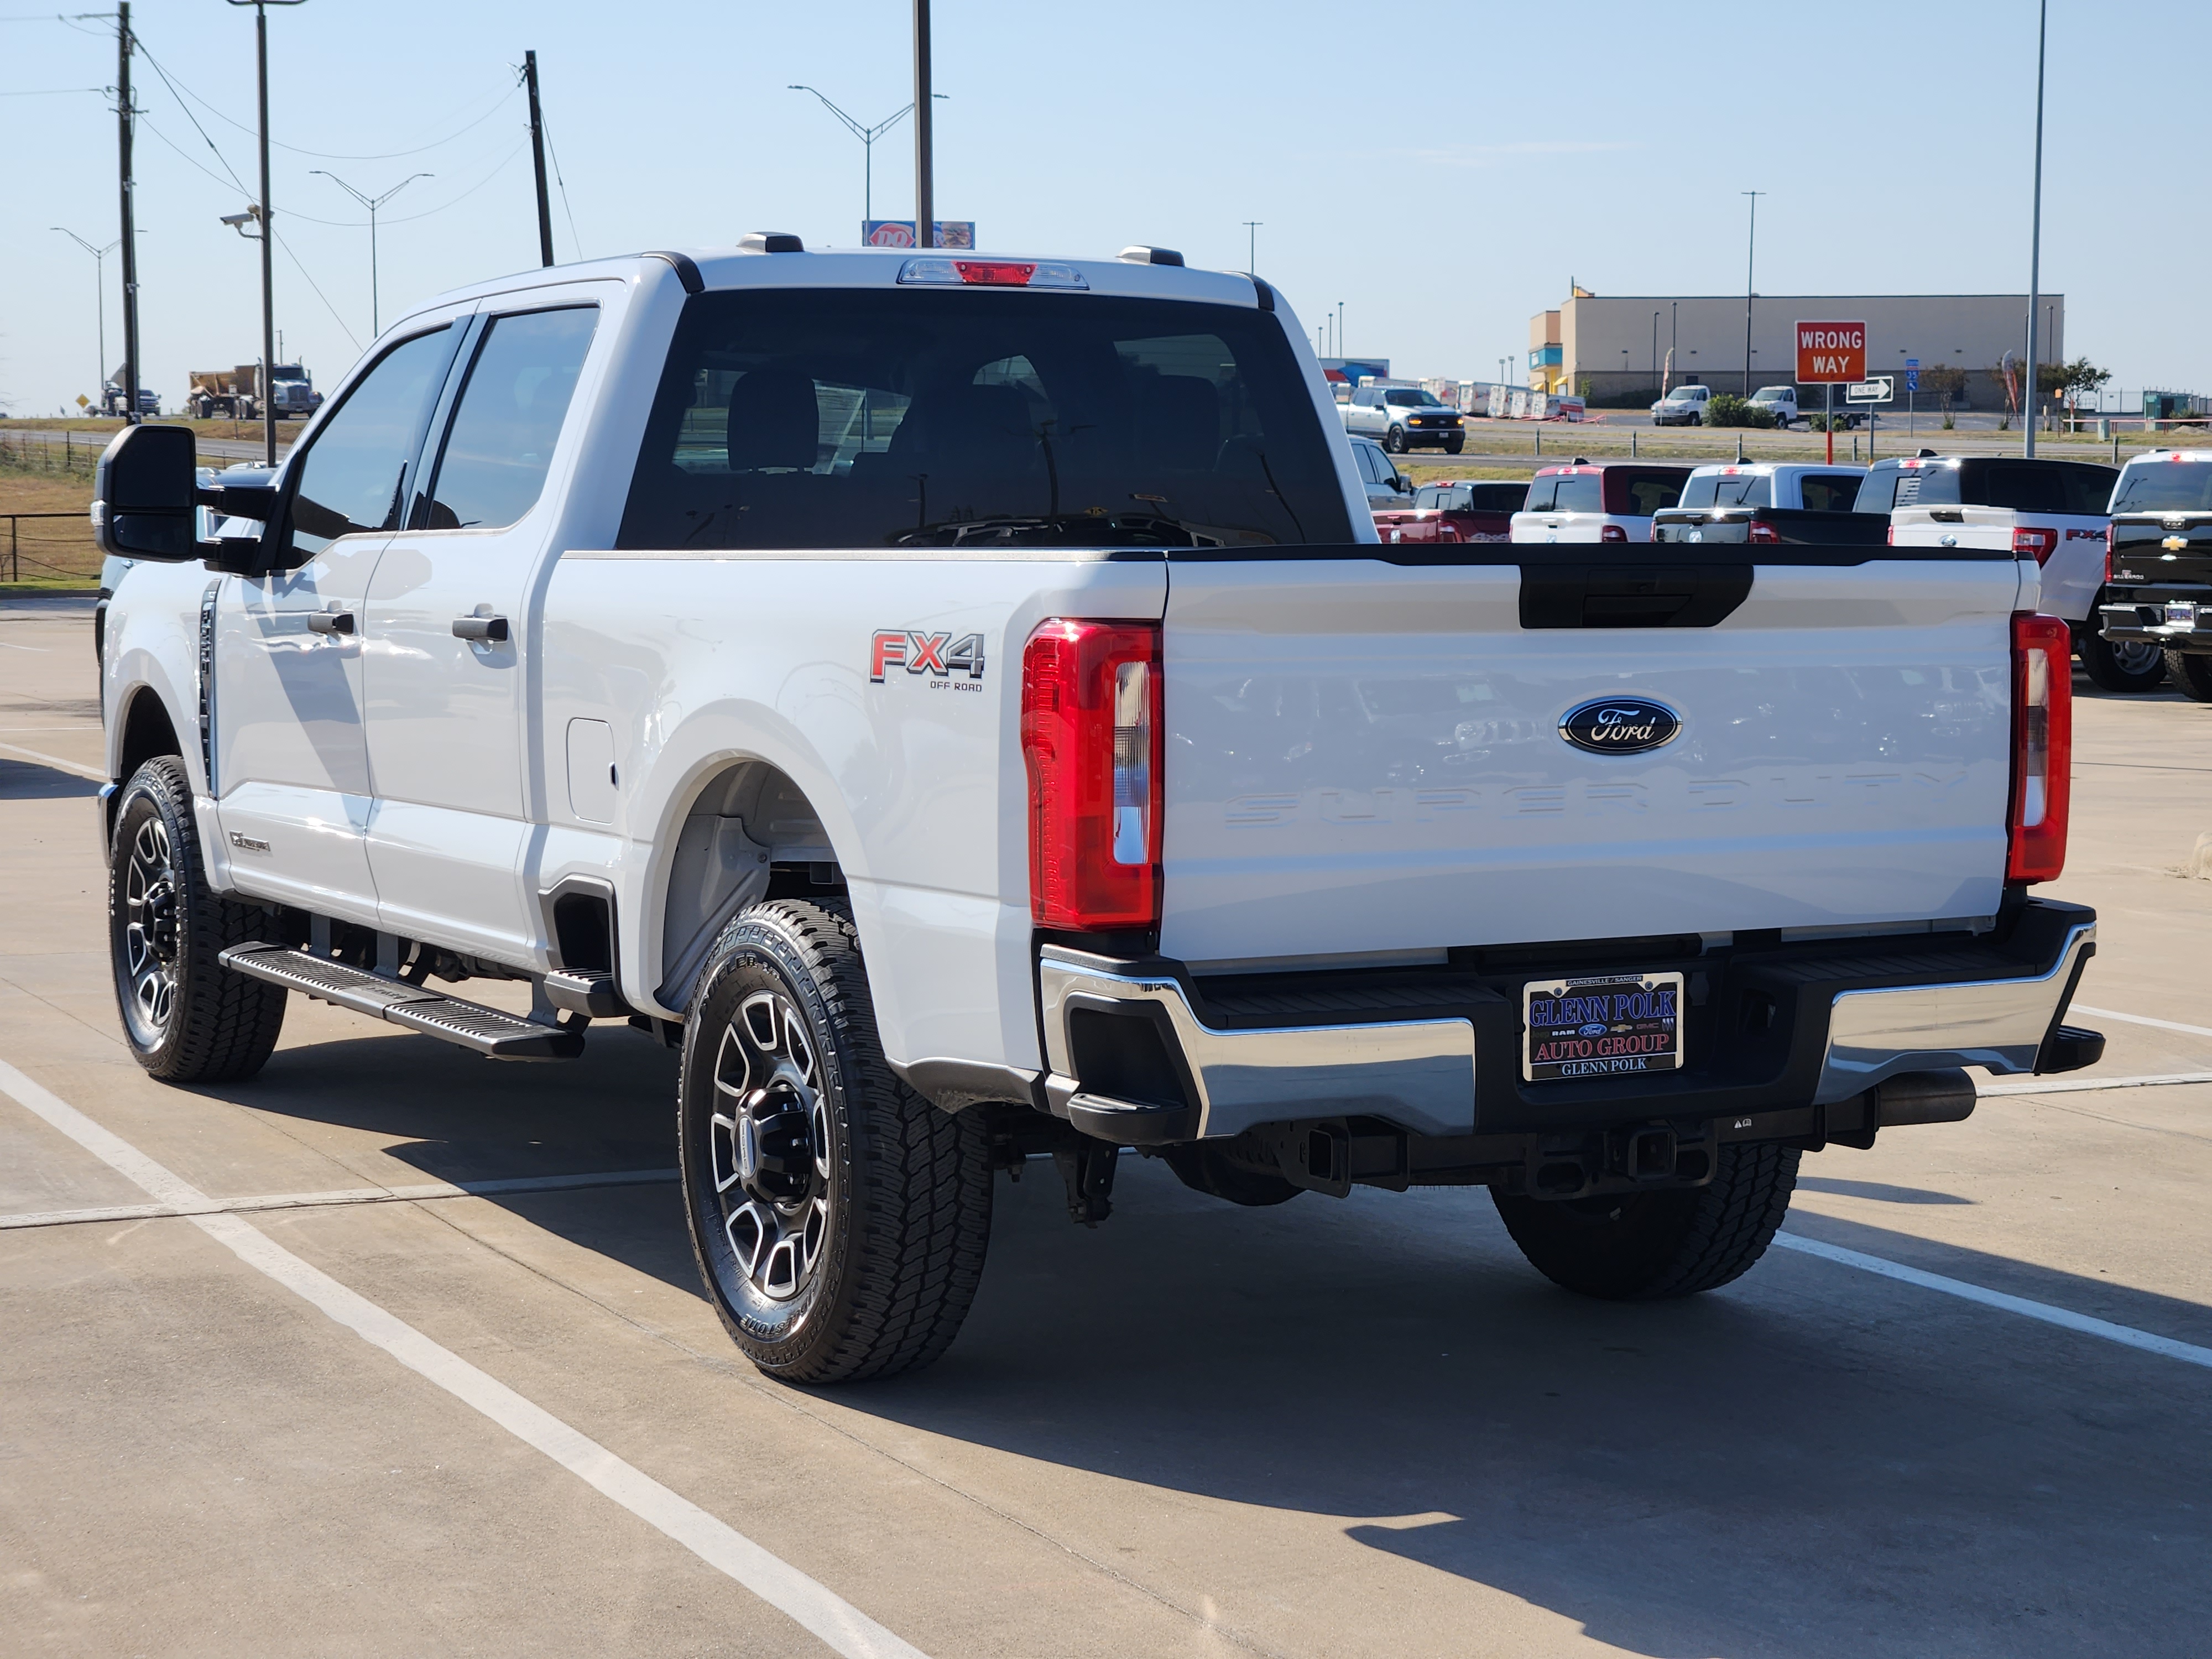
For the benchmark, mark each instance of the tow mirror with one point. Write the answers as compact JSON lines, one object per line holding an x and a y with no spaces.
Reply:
{"x":142,"y":501}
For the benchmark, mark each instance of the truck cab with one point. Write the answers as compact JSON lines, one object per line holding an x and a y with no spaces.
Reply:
{"x":1603,"y":502}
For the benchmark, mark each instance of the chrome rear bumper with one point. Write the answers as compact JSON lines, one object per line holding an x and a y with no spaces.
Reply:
{"x":1422,"y":1073}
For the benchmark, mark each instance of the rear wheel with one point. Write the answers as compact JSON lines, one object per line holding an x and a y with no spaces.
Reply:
{"x":2192,"y":675}
{"x":2127,"y":665}
{"x":1651,"y":1246}
{"x":186,"y":1017}
{"x":838,"y":1217}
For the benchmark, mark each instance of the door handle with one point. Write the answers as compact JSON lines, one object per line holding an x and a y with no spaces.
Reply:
{"x":329,"y":622}
{"x":480,"y":628}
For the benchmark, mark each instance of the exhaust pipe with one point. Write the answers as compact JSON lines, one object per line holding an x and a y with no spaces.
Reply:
{"x":1946,"y":1096}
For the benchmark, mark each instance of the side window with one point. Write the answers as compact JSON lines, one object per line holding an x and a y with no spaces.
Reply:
{"x":508,"y":419}
{"x":1829,"y":492}
{"x":1541,"y":495}
{"x":1430,"y":497}
{"x":349,"y":481}
{"x":1878,"y":493}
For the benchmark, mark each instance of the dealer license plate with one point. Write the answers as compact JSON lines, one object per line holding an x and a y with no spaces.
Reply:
{"x":2181,"y":616}
{"x":1604,"y":1025}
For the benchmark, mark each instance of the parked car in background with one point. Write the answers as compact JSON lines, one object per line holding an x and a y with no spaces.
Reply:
{"x":1403,"y":418}
{"x":1465,"y":510}
{"x":1771,"y":503}
{"x":2056,"y":511}
{"x":2158,"y":595}
{"x":1684,"y":406}
{"x":1610,"y":501}
{"x":1388,"y":489}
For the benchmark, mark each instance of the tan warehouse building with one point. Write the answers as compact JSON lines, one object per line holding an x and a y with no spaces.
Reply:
{"x":1608,"y":346}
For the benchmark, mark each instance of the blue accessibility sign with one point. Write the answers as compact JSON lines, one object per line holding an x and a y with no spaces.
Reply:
{"x":1912,"y":373}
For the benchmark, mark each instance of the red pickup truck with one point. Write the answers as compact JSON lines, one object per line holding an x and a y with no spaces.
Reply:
{"x":1467,"y":510}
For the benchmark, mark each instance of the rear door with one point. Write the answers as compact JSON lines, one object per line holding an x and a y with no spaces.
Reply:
{"x":1366,"y":757}
{"x":447,"y":685}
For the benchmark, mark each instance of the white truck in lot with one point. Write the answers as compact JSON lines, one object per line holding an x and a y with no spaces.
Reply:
{"x":961,"y":702}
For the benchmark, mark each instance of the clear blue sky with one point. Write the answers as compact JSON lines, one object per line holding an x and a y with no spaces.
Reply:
{"x":1443,"y":169}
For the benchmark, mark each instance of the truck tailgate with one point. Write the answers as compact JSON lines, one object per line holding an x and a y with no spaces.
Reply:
{"x":1366,"y":757}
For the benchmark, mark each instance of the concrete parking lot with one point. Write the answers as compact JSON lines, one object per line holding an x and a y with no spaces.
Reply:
{"x":1965,"y":1410}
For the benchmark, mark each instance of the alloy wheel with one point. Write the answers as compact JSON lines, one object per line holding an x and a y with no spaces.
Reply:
{"x":770,"y":1142}
{"x":150,"y":926}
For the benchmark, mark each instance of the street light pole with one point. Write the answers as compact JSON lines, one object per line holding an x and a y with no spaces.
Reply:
{"x":267,"y":234}
{"x":1252,"y":244}
{"x":2035,"y":236}
{"x":372,"y":203}
{"x":1655,"y":347}
{"x":99,"y":294}
{"x":867,"y":135}
{"x":925,"y":160}
{"x":1750,"y":253}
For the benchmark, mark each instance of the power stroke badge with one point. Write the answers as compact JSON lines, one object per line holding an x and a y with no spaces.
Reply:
{"x":947,"y":664}
{"x":1620,"y":726}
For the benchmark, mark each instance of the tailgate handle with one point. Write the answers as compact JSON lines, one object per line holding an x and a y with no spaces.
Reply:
{"x":1631,"y":595}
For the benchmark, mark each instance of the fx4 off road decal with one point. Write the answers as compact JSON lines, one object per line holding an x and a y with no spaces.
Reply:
{"x":939,"y":656}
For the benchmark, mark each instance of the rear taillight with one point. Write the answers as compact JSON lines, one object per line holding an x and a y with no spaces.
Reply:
{"x":1889,"y":536}
{"x":2108,"y":552}
{"x":1613,"y":532}
{"x":2042,"y":747}
{"x":1765,"y":534}
{"x":2027,"y":538}
{"x":1091,"y":737}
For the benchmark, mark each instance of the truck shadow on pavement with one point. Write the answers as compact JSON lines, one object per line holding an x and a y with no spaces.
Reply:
{"x":29,"y":780}
{"x":1812,"y":1460}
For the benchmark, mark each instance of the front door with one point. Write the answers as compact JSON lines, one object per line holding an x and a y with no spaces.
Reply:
{"x":291,"y":756}
{"x":449,"y":608}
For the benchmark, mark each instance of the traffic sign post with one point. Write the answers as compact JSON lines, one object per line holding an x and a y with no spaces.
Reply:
{"x":1831,"y":354}
{"x":1881,"y":389}
{"x":1911,"y":385}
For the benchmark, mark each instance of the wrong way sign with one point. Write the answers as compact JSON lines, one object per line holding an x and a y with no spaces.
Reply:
{"x":1831,"y":353}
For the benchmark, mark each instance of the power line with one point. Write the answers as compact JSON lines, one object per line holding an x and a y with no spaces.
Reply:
{"x":490,"y":110}
{"x":575,"y":241}
{"x":320,"y":294}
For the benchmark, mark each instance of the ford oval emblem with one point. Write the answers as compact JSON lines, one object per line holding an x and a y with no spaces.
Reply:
{"x":1620,"y":726}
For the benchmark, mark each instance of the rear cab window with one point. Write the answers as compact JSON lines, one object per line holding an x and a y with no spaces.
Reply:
{"x":1829,"y":492}
{"x":862,"y":417}
{"x":2164,"y":487}
{"x":1639,"y":492}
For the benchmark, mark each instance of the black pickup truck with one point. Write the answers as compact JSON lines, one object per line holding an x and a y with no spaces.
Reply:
{"x":2159,"y":580}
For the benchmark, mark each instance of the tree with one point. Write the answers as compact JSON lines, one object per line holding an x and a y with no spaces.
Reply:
{"x":1946,"y":381}
{"x":2071,"y":381}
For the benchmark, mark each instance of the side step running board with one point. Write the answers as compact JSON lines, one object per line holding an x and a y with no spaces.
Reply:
{"x":489,"y":1031}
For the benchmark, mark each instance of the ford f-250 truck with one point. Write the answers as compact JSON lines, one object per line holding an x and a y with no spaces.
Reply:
{"x":962,"y":703}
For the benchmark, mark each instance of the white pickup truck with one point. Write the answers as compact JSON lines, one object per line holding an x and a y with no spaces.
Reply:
{"x":962,"y":703}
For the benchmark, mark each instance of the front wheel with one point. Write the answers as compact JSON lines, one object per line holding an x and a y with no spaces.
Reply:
{"x":838,"y":1217}
{"x":1655,"y":1246}
{"x":2192,"y":675}
{"x":186,"y":1017}
{"x":1452,"y":446}
{"x":1395,"y":441}
{"x":2125,"y":666}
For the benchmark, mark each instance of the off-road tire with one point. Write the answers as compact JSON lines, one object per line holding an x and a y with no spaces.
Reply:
{"x":2101,"y":660}
{"x":1395,"y":441}
{"x":218,"y":1026}
{"x":1651,"y":1246}
{"x":906,"y":1185}
{"x":2192,"y":675}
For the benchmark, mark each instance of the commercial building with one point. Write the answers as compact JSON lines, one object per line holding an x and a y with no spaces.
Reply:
{"x":1612,"y":346}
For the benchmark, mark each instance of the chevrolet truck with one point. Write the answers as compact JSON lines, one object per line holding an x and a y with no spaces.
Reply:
{"x":961,"y":704}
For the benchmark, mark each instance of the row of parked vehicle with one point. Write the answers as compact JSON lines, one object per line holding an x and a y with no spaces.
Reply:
{"x":2125,"y":552}
{"x":1686,"y":406}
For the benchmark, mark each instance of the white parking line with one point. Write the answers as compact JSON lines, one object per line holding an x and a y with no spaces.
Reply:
{"x":844,"y":1628}
{"x":55,"y":761}
{"x":2126,"y":1335}
{"x":2140,"y":1019}
{"x":343,"y":1195}
{"x":2090,"y":1084}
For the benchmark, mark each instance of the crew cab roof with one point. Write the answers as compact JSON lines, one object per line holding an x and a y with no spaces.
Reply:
{"x":726,"y":267}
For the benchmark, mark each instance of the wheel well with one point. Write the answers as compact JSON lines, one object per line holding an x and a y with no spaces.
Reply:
{"x":748,"y":833}
{"x":147,"y":732}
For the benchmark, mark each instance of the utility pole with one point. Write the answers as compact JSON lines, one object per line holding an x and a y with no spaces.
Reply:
{"x":1655,"y":347}
{"x":1252,"y":244}
{"x":1750,"y":253}
{"x":537,"y":156}
{"x":372,"y":203}
{"x":925,"y":163}
{"x":2035,"y":237}
{"x":123,"y":116}
{"x":99,"y":294}
{"x":267,"y":235}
